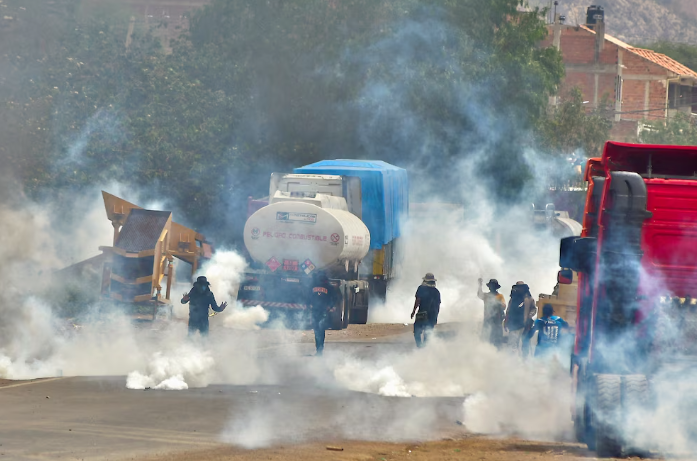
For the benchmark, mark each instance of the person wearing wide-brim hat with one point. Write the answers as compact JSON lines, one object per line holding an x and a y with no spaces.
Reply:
{"x":428,"y":303}
{"x":200,"y":298}
{"x":494,"y":307}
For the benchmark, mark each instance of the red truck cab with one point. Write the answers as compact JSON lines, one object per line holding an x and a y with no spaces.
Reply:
{"x":637,"y":265}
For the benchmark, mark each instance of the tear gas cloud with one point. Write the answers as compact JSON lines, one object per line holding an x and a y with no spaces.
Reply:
{"x":498,"y":394}
{"x":224,"y":272}
{"x":506,"y":396}
{"x":487,"y":240}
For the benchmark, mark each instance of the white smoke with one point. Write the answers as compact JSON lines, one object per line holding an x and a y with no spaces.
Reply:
{"x":240,"y":318}
{"x":461,"y":248}
{"x":181,"y":368}
{"x":34,"y":245}
{"x":495,"y":392}
{"x":224,"y":272}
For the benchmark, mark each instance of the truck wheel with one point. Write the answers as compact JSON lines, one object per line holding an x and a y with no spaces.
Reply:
{"x":359,"y":316}
{"x":635,"y":406}
{"x":606,"y":415}
{"x":347,"y":313}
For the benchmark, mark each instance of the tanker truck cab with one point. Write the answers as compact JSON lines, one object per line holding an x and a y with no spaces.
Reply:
{"x":636,"y":260}
{"x":335,"y":216}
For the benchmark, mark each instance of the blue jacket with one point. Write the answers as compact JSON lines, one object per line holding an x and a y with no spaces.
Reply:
{"x":550,"y":329}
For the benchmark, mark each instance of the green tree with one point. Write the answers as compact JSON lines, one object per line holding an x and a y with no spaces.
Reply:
{"x":261,"y":86}
{"x":684,"y":53}
{"x":571,"y":128}
{"x":678,"y":130}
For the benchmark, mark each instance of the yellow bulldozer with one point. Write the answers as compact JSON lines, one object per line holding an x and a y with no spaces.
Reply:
{"x":138,"y":268}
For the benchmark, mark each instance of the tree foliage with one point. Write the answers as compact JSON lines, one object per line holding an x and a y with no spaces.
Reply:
{"x":572,"y":129}
{"x":684,"y":53}
{"x":257,"y":86}
{"x":679,"y":130}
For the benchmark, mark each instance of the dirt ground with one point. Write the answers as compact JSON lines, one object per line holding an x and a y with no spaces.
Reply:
{"x":13,"y":382}
{"x":465,"y":449}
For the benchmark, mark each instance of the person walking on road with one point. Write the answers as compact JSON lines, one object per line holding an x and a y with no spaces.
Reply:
{"x":494,"y":308}
{"x":521,"y":308}
{"x":322,"y":301}
{"x":428,"y":304}
{"x":551,"y":332}
{"x":200,"y":298}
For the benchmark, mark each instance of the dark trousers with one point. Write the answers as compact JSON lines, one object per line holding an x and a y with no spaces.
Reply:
{"x":423,"y":329}
{"x":200,"y":325}
{"x":319,"y":325}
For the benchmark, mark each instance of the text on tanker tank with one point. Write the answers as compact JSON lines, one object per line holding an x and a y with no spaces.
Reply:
{"x":291,"y":236}
{"x":308,"y":218}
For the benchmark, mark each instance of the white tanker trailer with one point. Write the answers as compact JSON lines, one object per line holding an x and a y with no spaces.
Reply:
{"x":341,"y":217}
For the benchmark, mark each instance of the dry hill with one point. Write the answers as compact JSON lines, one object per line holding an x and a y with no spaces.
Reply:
{"x":638,"y":21}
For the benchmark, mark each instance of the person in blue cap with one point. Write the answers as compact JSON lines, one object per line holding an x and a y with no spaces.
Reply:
{"x":200,"y":298}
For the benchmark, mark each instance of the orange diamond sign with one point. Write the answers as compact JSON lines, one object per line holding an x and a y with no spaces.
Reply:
{"x":273,"y":264}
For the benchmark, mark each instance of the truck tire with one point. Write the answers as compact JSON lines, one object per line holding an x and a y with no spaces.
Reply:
{"x":359,"y":316}
{"x":636,"y":399}
{"x":607,"y":410}
{"x":347,"y":310}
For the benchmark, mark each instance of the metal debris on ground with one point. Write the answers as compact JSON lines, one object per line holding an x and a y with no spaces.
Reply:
{"x":330,"y":448}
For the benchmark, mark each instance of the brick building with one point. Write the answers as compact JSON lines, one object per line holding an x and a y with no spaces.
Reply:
{"x":639,"y":84}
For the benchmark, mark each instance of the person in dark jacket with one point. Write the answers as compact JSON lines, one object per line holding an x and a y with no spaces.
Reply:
{"x":521,"y":308}
{"x":322,"y":301}
{"x":200,"y":298}
{"x":551,"y":332}
{"x":428,"y":303}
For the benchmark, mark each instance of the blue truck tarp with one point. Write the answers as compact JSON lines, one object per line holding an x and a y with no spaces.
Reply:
{"x":384,"y":194}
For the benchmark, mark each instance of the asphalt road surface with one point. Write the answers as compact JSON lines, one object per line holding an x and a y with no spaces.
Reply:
{"x":96,"y":418}
{"x":99,"y":418}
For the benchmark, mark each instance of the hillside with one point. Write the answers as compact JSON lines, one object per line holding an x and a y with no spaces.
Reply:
{"x":638,"y":21}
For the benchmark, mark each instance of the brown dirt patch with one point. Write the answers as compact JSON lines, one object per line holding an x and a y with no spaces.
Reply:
{"x":12,"y":382}
{"x":466,"y":449}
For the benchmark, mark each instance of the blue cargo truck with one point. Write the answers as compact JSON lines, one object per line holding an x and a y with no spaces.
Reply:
{"x":341,"y":217}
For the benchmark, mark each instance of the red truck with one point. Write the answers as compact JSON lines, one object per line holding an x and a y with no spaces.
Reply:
{"x":636,"y":260}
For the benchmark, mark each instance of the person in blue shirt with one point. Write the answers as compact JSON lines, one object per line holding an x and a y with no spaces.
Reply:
{"x":428,"y":303}
{"x":551,"y":330}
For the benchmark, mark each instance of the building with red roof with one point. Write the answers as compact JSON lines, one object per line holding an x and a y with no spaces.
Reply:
{"x":639,"y":84}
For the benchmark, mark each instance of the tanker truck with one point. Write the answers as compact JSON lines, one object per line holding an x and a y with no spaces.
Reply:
{"x":341,"y":217}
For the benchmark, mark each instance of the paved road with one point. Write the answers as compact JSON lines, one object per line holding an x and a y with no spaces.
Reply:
{"x":98,"y":418}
